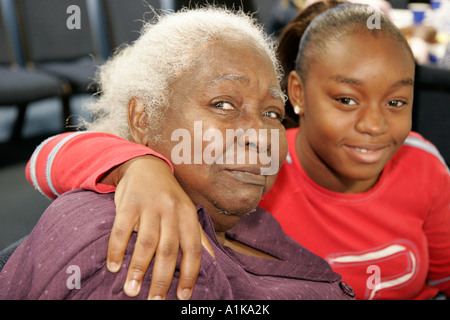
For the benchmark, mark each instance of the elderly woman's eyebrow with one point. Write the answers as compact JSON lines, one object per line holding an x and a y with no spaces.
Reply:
{"x":222,"y":77}
{"x":277,"y":93}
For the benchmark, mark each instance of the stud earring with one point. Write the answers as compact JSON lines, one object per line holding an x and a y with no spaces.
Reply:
{"x":297,"y":109}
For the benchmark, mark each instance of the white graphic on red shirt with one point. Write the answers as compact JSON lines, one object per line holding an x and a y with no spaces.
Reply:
{"x":381,"y":268}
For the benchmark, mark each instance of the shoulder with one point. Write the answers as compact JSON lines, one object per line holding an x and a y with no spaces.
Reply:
{"x":418,"y":144}
{"x":418,"y":168}
{"x":73,"y":231}
{"x":80,"y":211}
{"x":421,"y":155}
{"x":76,"y":220}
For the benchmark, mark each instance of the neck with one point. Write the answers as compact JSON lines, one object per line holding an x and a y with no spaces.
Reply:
{"x":324,"y":175}
{"x":222,"y":221}
{"x":221,"y":237}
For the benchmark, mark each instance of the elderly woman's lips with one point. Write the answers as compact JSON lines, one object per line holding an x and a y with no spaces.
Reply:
{"x":249,"y":175}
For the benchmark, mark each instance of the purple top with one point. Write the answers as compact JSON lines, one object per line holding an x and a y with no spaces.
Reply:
{"x":64,"y":257}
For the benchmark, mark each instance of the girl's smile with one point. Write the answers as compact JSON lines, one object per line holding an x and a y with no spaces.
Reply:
{"x":367,"y":153}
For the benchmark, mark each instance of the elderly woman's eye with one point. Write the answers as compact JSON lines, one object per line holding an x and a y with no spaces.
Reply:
{"x":273,"y":115}
{"x":223,"y":105}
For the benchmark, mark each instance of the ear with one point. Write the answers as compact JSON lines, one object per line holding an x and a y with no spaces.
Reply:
{"x":137,"y":121}
{"x":296,"y":91}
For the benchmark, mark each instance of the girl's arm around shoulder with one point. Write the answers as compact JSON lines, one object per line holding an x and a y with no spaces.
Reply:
{"x":75,"y":160}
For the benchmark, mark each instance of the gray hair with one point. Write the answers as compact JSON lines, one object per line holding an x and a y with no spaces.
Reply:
{"x":164,"y":50}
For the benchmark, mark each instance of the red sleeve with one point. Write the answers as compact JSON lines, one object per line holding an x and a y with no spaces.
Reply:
{"x":437,"y":223}
{"x":78,"y":160}
{"x":437,"y":230}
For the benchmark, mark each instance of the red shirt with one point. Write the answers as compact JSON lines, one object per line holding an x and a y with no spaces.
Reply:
{"x":391,"y":242}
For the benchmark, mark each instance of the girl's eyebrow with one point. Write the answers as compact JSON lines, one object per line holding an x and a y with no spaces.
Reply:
{"x":343,"y":79}
{"x":358,"y":82}
{"x":404,"y":82}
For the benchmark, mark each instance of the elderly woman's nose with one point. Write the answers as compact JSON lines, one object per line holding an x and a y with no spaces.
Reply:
{"x":255,"y":137}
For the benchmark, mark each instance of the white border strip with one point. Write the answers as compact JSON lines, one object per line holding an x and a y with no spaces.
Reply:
{"x":51,"y":157}
{"x":33,"y":160}
{"x":420,"y":144}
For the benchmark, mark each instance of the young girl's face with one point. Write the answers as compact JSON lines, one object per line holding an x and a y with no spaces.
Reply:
{"x":357,"y":102}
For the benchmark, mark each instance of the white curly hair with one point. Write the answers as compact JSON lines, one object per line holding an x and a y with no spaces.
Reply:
{"x":167,"y":47}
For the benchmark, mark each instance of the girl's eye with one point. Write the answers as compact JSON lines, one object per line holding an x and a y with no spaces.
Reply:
{"x":347,"y":101}
{"x":273,"y":115}
{"x":223,"y":105}
{"x":396,"y":103}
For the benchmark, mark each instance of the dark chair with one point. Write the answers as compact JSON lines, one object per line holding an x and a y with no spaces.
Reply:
{"x":8,"y":251}
{"x":124,"y":19}
{"x":20,"y":86}
{"x":431,"y":111}
{"x":265,"y":13}
{"x":52,"y":45}
{"x":263,"y":9}
{"x":399,"y":4}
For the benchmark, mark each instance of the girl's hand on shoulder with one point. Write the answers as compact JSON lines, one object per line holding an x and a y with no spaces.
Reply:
{"x":149,"y":200}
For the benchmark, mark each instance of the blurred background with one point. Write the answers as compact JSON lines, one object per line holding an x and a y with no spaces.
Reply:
{"x":49,"y":50}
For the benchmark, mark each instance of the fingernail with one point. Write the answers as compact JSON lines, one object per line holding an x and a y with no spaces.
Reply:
{"x":113,"y":267}
{"x":185,"y":294}
{"x":157,"y":298}
{"x":132,"y":288}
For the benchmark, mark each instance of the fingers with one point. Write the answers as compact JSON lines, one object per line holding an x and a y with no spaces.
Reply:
{"x":160,"y":239}
{"x":118,"y":240}
{"x":191,"y":247}
{"x":165,"y":258}
{"x":144,"y":249}
{"x":166,"y":218}
{"x":127,"y":216}
{"x":184,"y":233}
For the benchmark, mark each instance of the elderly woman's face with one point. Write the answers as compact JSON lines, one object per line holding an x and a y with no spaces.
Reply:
{"x":222,"y":129}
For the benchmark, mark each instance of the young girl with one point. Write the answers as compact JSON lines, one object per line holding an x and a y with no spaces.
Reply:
{"x":358,"y":188}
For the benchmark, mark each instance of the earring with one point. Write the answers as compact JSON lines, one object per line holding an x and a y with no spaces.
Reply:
{"x":297,"y":109}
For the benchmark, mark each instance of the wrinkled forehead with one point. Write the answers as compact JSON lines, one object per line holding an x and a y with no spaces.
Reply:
{"x":234,"y":49}
{"x":232,"y":61}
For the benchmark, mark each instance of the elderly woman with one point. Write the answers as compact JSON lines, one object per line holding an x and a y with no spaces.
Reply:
{"x":200,"y":73}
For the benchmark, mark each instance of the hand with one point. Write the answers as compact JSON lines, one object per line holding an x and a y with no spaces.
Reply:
{"x":149,"y":200}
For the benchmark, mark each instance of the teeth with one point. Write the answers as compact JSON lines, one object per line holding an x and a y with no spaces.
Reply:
{"x":362,"y":150}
